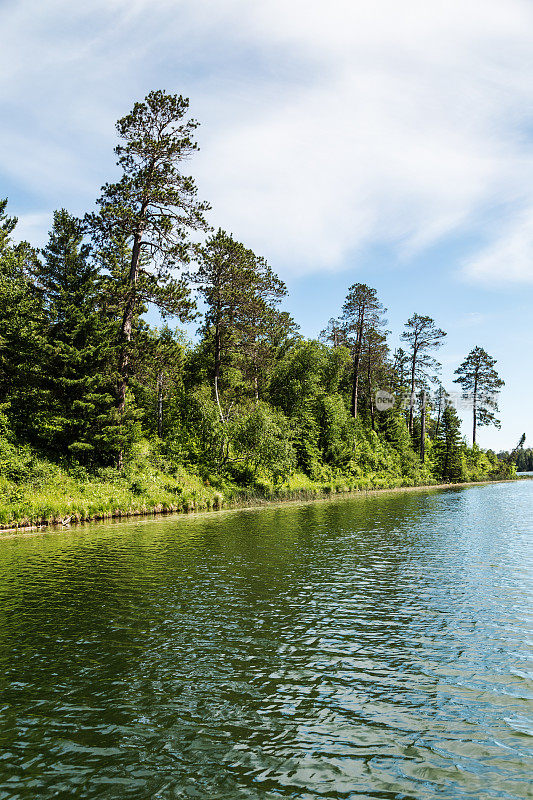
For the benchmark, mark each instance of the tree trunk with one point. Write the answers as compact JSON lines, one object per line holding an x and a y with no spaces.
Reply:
{"x":437,"y":426}
{"x":411,"y":399}
{"x":423,"y":429}
{"x":218,"y":359}
{"x":125,"y":333}
{"x":160,"y":405}
{"x":370,"y":397}
{"x":356,"y":361}
{"x":355,"y":382}
{"x":474,"y":414}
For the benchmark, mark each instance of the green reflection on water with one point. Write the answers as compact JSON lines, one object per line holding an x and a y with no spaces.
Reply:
{"x":375,"y":647}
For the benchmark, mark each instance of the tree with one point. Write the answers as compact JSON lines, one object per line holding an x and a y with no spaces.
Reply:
{"x":223,"y":281}
{"x":21,"y":312}
{"x":157,"y":370}
{"x":152,"y":209}
{"x":441,"y":400}
{"x":242,"y":322}
{"x":422,"y":335}
{"x":448,"y":461}
{"x":7,"y":226}
{"x":334,"y":333}
{"x":375,"y":365}
{"x":263,"y":329}
{"x":77,"y":361}
{"x":361,"y":308}
{"x":400,"y":365}
{"x":480,"y":383}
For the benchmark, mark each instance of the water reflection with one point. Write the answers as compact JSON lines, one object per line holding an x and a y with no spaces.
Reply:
{"x":378,"y":647}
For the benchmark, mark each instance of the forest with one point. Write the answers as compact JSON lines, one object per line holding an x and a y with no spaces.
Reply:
{"x":103,"y":414}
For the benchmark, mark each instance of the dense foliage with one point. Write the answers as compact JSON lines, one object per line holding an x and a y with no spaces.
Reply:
{"x":93,"y":396}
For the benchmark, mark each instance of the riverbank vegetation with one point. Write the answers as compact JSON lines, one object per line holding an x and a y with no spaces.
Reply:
{"x":102,"y":413}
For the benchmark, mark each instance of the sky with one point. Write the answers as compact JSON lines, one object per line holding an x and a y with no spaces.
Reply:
{"x":350,"y":141}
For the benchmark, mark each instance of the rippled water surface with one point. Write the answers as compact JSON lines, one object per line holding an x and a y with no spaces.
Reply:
{"x":380,"y":647}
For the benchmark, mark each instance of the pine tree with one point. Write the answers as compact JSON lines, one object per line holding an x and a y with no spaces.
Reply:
{"x":400,"y":365}
{"x":480,"y":383}
{"x":7,"y":226}
{"x":152,"y":209}
{"x":21,"y":312}
{"x":334,"y":333}
{"x":263,"y":328}
{"x":375,"y":366}
{"x":448,"y":448}
{"x":360,"y":310}
{"x":242,"y":323}
{"x":76,"y":386}
{"x":422,"y":336}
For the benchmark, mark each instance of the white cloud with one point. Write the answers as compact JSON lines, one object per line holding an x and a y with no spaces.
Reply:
{"x":325,"y":127}
{"x":472,"y":319}
{"x":509,"y":258}
{"x":32,"y":227}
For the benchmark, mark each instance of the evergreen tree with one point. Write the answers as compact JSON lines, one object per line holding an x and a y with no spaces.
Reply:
{"x":360,"y":310}
{"x":152,"y":208}
{"x":334,"y":333}
{"x":480,"y":383}
{"x":242,"y":324}
{"x":78,"y":357}
{"x":400,"y":365}
{"x":448,"y":448}
{"x":7,"y":226}
{"x":21,"y":312}
{"x":422,"y":336}
{"x":264,"y":330}
{"x":440,"y":402}
{"x":223,"y":277}
{"x":375,"y":366}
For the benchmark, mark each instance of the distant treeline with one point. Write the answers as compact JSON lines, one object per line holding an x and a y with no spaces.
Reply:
{"x":523,"y":459}
{"x":84,"y":379}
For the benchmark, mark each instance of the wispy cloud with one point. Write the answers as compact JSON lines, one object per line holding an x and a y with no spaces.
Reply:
{"x":508,"y":259}
{"x":325,"y":127}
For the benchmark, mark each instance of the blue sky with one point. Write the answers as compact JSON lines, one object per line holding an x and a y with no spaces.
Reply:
{"x":354,"y":140}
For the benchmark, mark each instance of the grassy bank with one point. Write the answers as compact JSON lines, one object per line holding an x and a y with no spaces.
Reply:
{"x":44,"y":493}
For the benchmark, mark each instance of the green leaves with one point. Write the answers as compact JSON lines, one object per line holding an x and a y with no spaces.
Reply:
{"x":480,"y":383}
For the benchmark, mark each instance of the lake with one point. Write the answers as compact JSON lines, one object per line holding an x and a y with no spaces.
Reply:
{"x":375,"y":647}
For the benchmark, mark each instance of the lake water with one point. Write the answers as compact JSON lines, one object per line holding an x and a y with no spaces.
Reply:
{"x":380,"y":647}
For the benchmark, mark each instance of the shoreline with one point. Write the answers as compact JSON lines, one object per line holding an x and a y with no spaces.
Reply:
{"x":254,"y":503}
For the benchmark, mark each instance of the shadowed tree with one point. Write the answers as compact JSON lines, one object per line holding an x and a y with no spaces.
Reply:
{"x":480,"y":383}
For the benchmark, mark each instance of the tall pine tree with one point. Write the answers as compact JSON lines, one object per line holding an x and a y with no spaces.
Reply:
{"x":77,"y":416}
{"x":422,"y":336}
{"x":151,"y":209}
{"x":481,"y":384}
